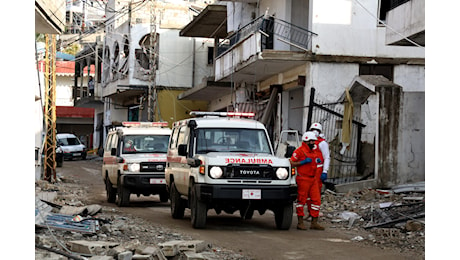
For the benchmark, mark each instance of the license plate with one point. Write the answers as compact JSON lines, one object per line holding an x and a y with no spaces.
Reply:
{"x":157,"y":181}
{"x":252,"y":194}
{"x":76,"y":154}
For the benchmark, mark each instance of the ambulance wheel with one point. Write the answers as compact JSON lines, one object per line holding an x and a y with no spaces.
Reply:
{"x":123,"y":195}
{"x":110,"y":190}
{"x":177,"y":203}
{"x":198,"y":209}
{"x":283,"y":216}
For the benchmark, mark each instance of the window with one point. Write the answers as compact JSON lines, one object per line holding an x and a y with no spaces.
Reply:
{"x":377,"y":69}
{"x":173,"y":142}
{"x":210,"y":55}
{"x":145,"y":144}
{"x":231,"y":140}
{"x":385,"y":6}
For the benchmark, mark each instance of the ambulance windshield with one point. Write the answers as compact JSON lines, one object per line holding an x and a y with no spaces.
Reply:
{"x":145,"y":144}
{"x":231,"y":140}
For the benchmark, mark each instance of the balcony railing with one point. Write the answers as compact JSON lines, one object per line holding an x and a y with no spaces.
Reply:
{"x":270,"y":27}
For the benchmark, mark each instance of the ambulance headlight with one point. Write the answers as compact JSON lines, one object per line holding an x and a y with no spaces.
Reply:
{"x":134,"y":167}
{"x":215,"y":172}
{"x":282,"y":173}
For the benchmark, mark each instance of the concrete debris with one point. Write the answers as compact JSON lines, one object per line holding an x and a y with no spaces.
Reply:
{"x":385,"y":218}
{"x":413,"y":187}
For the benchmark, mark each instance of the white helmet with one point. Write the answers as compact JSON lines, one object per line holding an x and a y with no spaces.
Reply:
{"x":316,"y":126}
{"x":307,"y":136}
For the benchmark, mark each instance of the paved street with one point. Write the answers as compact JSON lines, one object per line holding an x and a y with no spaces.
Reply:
{"x":257,"y":238}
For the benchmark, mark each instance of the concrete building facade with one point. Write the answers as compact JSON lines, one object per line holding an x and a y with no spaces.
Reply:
{"x":293,"y":47}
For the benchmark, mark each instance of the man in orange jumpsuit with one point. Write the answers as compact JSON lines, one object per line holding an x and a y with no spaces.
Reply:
{"x":307,"y":160}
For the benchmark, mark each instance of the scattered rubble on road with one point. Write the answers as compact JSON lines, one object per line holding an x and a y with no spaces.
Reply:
{"x":68,"y":229}
{"x":391,"y":218}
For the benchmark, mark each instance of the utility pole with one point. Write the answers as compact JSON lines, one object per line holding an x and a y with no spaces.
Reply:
{"x":50,"y":109}
{"x":152,"y":95}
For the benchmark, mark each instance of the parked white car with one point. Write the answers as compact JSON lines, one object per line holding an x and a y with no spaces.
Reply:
{"x":71,"y":146}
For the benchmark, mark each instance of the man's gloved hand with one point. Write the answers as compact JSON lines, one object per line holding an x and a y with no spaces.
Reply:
{"x":318,"y":160}
{"x":323,"y":176}
{"x":305,"y":161}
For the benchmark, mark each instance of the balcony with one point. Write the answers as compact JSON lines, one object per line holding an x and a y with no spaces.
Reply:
{"x":408,"y":19}
{"x":263,"y":48}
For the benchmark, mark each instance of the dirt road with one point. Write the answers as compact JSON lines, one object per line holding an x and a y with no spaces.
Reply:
{"x":256,"y":238}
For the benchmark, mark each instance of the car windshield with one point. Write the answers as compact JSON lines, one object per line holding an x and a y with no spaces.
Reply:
{"x":145,"y":144}
{"x":68,"y":141}
{"x":231,"y":140}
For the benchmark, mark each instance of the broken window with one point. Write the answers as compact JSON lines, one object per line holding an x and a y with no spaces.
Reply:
{"x":106,"y":69}
{"x":142,"y":68}
{"x":116,"y":60}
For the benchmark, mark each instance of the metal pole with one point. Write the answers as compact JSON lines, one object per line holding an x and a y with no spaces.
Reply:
{"x":152,"y":65}
{"x":310,"y":107}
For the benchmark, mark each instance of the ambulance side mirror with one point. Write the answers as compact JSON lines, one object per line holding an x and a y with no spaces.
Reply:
{"x":193,"y":162}
{"x":182,"y":150}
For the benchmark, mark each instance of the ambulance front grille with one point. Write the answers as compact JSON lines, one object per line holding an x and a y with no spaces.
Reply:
{"x":253,"y":171}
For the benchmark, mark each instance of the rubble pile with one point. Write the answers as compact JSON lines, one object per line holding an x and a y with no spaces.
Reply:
{"x":385,"y":218}
{"x":95,"y":232}
{"x":66,"y":228}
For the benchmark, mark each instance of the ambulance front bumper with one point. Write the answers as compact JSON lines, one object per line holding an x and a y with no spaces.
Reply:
{"x":209,"y":192}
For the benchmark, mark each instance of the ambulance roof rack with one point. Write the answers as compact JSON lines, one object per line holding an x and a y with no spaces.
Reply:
{"x":221,"y":114}
{"x":144,"y":124}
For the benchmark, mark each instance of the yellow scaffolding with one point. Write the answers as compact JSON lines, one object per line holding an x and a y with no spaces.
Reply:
{"x":49,"y":149}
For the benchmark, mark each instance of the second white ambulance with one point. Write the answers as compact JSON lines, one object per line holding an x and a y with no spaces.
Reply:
{"x":134,"y":161}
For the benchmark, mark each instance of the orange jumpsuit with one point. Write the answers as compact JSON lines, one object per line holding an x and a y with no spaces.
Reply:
{"x":320,"y":166}
{"x":307,"y":185}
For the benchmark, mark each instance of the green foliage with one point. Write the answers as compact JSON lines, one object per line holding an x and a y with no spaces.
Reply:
{"x":72,"y":49}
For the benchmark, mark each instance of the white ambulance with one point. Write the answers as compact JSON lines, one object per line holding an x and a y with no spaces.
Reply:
{"x":221,"y":162}
{"x":134,"y":161}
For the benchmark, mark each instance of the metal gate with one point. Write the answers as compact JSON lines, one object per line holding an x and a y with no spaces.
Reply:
{"x":344,"y":161}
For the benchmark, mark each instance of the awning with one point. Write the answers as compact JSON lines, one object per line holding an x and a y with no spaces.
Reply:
{"x":210,"y":23}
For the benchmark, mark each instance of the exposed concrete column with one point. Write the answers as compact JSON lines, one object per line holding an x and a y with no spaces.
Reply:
{"x":390,"y":103}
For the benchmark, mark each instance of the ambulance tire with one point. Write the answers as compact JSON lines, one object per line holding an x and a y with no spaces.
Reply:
{"x":122,"y":195}
{"x":177,"y":203}
{"x":283,"y":216}
{"x":110,"y":190}
{"x":198,"y":209}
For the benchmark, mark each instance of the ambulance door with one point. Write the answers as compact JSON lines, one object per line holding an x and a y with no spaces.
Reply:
{"x":182,"y":173}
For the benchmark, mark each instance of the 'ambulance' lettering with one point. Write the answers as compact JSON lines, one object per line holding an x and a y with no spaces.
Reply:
{"x":248,"y":160}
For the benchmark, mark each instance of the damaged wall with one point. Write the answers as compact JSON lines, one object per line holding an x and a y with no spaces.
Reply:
{"x":412,"y":139}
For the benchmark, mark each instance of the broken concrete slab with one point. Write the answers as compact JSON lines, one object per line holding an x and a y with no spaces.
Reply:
{"x":412,"y":187}
{"x":127,"y":255}
{"x":196,"y":246}
{"x":90,"y":247}
{"x":170,"y":248}
{"x":70,"y":210}
{"x":189,"y":255}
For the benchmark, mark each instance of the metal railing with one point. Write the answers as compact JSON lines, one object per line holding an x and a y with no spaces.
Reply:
{"x":345,"y":165}
{"x":270,"y":27}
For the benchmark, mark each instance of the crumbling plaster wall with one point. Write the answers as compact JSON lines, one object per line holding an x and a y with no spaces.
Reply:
{"x":411,"y":152}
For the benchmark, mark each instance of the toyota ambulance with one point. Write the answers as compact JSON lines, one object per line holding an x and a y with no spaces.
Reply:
{"x":134,"y":161}
{"x":225,"y":162}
